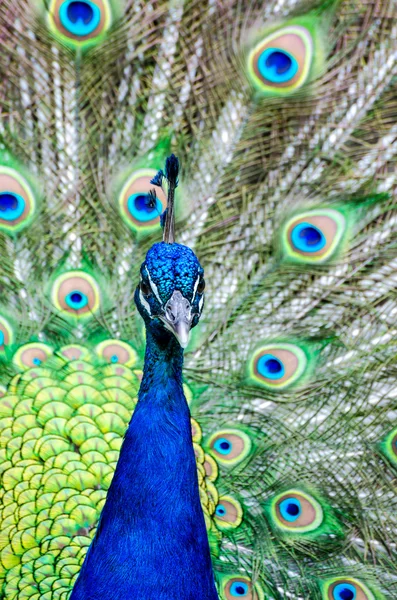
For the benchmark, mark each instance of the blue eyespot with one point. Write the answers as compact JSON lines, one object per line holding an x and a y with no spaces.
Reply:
{"x":1,"y":338}
{"x":114,"y":358}
{"x":271,"y":367}
{"x":277,"y":66}
{"x":290,"y":509}
{"x":344,"y":591}
{"x":142,"y":208}
{"x":76,"y":300}
{"x":223,"y":446}
{"x":80,"y":17}
{"x":12,"y":206}
{"x":220,"y":510}
{"x":239,"y":589}
{"x":36,"y":361}
{"x":307,"y":238}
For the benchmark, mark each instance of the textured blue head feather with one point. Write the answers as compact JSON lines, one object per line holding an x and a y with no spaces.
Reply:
{"x":170,"y":296}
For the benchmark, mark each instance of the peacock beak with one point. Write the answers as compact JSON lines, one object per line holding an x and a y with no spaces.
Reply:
{"x":177,"y":317}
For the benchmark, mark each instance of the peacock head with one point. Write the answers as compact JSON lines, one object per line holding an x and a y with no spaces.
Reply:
{"x":170,"y":295}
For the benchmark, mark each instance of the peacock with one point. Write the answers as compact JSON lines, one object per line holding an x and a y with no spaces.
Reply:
{"x":198,"y":300}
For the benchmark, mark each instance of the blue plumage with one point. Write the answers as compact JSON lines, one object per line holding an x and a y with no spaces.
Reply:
{"x":172,"y":266}
{"x":152,"y":541}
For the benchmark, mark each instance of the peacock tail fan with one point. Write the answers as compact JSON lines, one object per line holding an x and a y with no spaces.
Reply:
{"x":282,"y":115}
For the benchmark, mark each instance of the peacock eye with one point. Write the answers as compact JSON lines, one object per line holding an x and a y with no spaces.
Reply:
{"x":228,"y":513}
{"x":117,"y":352}
{"x":295,"y":510}
{"x":138,"y":209}
{"x":276,"y":366}
{"x":241,"y":587}
{"x":145,"y":289}
{"x":76,"y":294}
{"x":79,"y":21}
{"x":344,"y":591}
{"x":17,"y":201}
{"x":347,"y":588}
{"x":230,"y":446}
{"x":6,"y":333}
{"x":201,"y":286}
{"x":31,"y":355}
{"x":314,"y":236}
{"x":280,"y":63}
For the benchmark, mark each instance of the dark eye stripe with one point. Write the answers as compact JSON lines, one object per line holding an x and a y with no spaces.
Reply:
{"x":201,"y":286}
{"x":145,"y":288}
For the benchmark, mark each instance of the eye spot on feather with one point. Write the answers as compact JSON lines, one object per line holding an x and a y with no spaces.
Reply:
{"x":17,"y":201}
{"x":79,"y":21}
{"x":31,"y":355}
{"x":228,"y":513}
{"x":223,"y":446}
{"x":307,"y":237}
{"x":76,"y":300}
{"x":230,"y":446}
{"x":117,"y":352}
{"x":290,"y":509}
{"x":6,"y":334}
{"x":347,"y":588}
{"x":277,"y":366}
{"x":295,"y":510}
{"x":271,"y":367}
{"x":76,"y":294}
{"x":280,"y":63}
{"x":241,"y":587}
{"x":210,"y":467}
{"x":314,"y":236}
{"x":344,"y":591}
{"x":138,"y":210}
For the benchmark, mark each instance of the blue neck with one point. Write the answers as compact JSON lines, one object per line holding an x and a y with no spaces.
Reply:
{"x":151,"y":541}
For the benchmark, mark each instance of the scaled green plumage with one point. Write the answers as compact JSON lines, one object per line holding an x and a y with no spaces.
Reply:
{"x":62,"y":427}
